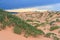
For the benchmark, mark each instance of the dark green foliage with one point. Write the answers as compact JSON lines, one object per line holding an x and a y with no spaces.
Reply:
{"x":17,"y":30}
{"x":54,"y":28}
{"x":56,"y":38}
{"x":51,"y":23}
{"x":29,"y":20}
{"x":57,"y":20}
{"x":7,"y":19}
{"x":37,"y":25}
{"x":49,"y":35}
{"x":42,"y":24}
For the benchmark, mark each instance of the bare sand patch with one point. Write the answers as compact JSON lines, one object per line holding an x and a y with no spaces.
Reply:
{"x":8,"y":34}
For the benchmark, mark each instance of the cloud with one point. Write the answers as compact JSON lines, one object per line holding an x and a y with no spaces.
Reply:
{"x":55,"y":7}
{"x":49,"y":7}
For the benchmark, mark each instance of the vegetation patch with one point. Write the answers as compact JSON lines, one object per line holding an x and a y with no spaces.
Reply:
{"x":54,"y":28}
{"x":57,"y":20}
{"x":51,"y":23}
{"x":7,"y":19}
{"x":55,"y":38}
{"x":49,"y":35}
{"x":17,"y":30}
{"x":29,"y":20}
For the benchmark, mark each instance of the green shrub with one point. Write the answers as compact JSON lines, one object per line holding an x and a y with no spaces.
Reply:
{"x":37,"y":25}
{"x":49,"y":35}
{"x":51,"y":23}
{"x":29,"y":20}
{"x":7,"y":19}
{"x":17,"y":30}
{"x":54,"y":28}
{"x":42,"y":24}
{"x":56,"y":38}
{"x":57,"y":20}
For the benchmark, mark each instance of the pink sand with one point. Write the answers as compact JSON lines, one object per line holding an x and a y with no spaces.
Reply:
{"x":8,"y":34}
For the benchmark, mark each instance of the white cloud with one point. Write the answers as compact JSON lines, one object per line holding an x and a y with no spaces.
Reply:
{"x":46,"y":7}
{"x":49,"y":7}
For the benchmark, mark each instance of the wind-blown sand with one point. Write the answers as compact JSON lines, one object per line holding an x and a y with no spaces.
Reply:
{"x":8,"y":34}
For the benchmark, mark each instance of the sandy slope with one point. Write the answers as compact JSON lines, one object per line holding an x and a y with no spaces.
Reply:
{"x":8,"y":34}
{"x":35,"y":16}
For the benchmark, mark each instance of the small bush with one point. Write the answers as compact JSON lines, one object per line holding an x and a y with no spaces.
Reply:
{"x":37,"y":25}
{"x":54,"y":28}
{"x":42,"y":24}
{"x":49,"y":35}
{"x":17,"y":30}
{"x":56,"y":38}
{"x":29,"y":20}
{"x":52,"y":22}
{"x":57,"y":20}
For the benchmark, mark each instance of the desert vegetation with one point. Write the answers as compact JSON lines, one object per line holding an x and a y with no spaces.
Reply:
{"x":48,"y":20}
{"x":54,"y":28}
{"x":32,"y":23}
{"x":7,"y":19}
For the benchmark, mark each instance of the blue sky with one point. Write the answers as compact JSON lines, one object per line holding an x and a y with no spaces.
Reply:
{"x":14,"y":4}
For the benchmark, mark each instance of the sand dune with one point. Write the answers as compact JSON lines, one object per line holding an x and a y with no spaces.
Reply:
{"x":8,"y":34}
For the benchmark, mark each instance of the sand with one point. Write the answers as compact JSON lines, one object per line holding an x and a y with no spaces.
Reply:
{"x":8,"y":34}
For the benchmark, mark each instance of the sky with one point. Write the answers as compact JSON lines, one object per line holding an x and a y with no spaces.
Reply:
{"x":40,"y":4}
